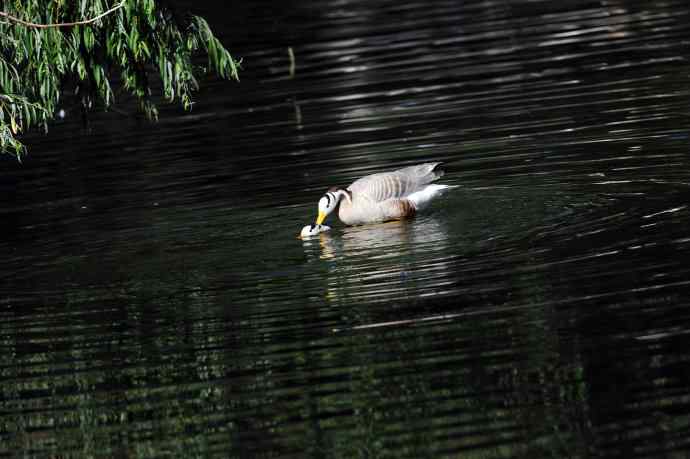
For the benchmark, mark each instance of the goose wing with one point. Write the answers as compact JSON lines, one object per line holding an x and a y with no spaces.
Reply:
{"x":396,"y":184}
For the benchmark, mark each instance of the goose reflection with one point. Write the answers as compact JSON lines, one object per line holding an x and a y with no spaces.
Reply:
{"x":385,"y":261}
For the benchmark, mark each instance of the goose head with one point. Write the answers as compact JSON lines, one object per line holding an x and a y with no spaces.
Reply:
{"x":330,"y":201}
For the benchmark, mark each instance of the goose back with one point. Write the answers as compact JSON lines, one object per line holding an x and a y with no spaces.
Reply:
{"x":395,"y":184}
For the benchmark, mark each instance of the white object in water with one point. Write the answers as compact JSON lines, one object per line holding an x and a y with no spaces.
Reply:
{"x":313,"y":230}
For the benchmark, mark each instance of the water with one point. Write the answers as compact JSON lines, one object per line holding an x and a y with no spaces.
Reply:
{"x":155,"y":301}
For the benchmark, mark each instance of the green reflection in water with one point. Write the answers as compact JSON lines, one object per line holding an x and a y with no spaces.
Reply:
{"x":493,"y":385}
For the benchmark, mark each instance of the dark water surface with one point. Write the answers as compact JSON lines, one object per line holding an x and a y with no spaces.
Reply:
{"x":155,"y":302}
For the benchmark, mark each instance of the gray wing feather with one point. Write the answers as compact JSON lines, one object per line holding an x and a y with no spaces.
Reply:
{"x":396,"y":184}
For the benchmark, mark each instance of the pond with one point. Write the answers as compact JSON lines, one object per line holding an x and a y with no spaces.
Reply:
{"x":156,"y":302}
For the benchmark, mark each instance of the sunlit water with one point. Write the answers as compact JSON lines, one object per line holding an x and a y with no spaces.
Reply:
{"x":155,"y":300}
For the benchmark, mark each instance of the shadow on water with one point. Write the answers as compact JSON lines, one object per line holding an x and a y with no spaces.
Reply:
{"x":155,"y":301}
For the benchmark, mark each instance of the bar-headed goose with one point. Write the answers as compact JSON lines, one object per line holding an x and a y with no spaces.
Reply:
{"x":384,"y":196}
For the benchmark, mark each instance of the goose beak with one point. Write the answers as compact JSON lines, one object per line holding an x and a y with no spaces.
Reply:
{"x":320,"y":218}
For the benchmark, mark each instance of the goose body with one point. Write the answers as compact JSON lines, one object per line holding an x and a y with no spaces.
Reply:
{"x":384,"y":196}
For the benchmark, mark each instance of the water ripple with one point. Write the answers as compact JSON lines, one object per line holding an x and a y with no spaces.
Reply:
{"x":155,"y":300}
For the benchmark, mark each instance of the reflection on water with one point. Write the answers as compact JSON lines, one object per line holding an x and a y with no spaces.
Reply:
{"x":385,"y":261}
{"x":390,"y":240}
{"x":155,"y":302}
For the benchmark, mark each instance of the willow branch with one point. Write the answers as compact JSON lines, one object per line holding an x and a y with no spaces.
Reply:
{"x":61,"y":24}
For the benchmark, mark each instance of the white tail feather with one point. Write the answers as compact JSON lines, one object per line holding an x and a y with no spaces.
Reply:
{"x":423,"y":197}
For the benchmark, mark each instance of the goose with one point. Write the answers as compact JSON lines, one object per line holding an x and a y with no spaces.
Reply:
{"x":384,"y":196}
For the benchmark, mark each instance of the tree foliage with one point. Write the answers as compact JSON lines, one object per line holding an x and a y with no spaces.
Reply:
{"x":89,"y":46}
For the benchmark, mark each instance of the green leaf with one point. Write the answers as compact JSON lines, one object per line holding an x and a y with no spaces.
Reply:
{"x":132,"y":42}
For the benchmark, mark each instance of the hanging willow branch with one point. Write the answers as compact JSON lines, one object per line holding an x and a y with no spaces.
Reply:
{"x":134,"y":43}
{"x":61,"y":24}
